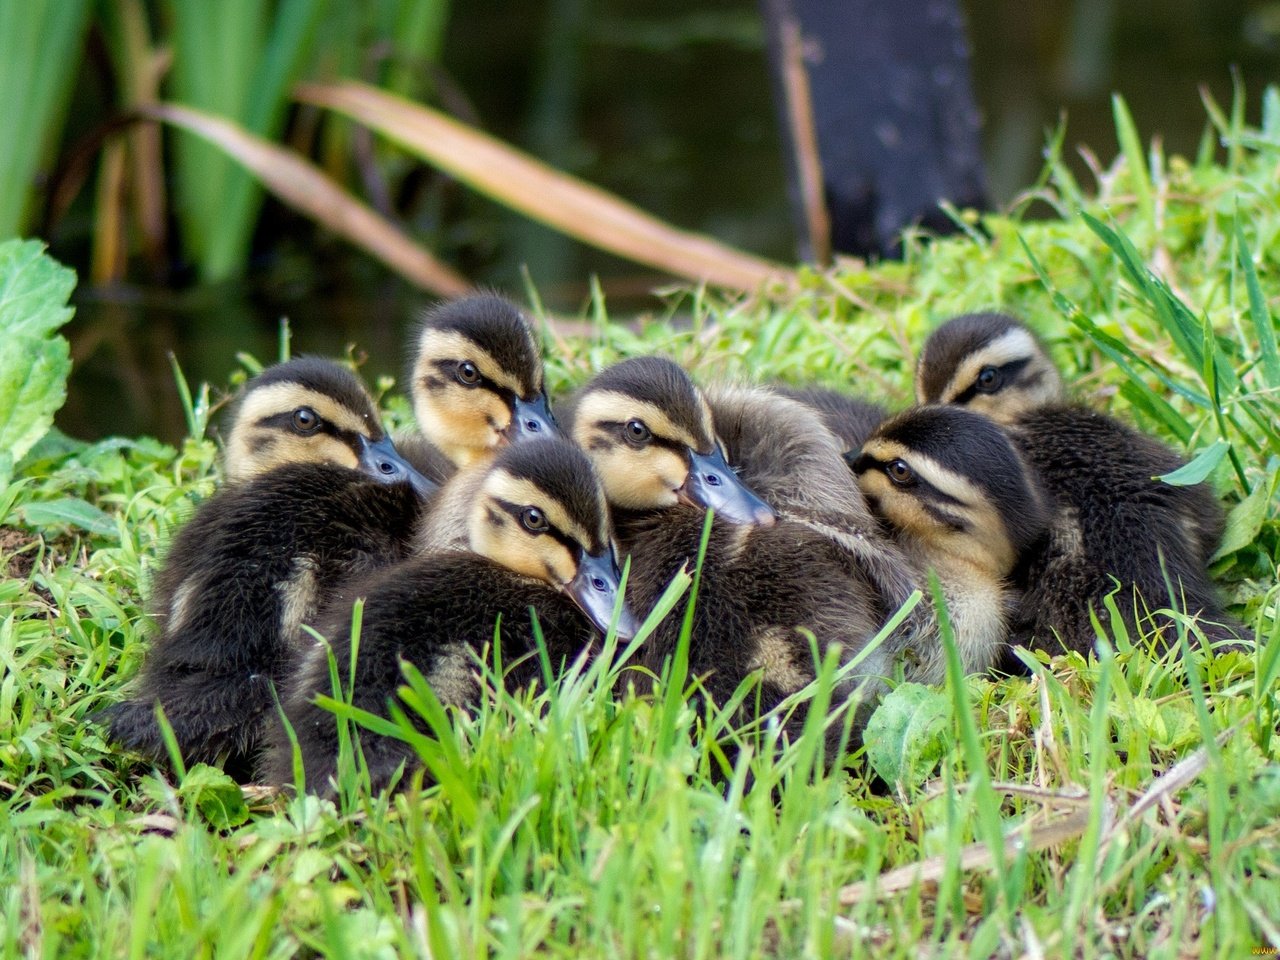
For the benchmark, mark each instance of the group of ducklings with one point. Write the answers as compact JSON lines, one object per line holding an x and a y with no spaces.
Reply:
{"x":828,"y":515}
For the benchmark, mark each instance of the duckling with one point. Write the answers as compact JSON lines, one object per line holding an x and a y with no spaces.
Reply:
{"x":961,"y":501}
{"x":315,"y":491}
{"x":476,"y":381}
{"x":851,"y":419}
{"x":1113,"y":520}
{"x":765,"y":581}
{"x":476,"y":384}
{"x":538,"y":540}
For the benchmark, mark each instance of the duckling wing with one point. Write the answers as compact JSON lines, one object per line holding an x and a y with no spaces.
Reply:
{"x":437,"y":612}
{"x":1113,"y":521}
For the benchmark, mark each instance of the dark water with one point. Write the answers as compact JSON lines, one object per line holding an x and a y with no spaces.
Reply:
{"x":668,"y":105}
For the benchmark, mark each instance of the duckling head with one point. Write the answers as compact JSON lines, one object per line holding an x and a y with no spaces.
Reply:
{"x":540,"y":511}
{"x":650,"y":433}
{"x":476,"y":380}
{"x":989,"y":362}
{"x":950,"y":482}
{"x":312,"y":410}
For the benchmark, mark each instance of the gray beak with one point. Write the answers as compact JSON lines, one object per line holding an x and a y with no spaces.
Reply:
{"x":381,"y":460}
{"x":713,"y":484}
{"x":596,"y":591}
{"x":531,"y":418}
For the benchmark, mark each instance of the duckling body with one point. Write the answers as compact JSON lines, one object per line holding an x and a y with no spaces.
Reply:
{"x":851,"y":419}
{"x":783,"y":450}
{"x":253,"y":563}
{"x":1113,"y":521}
{"x":765,"y":583}
{"x":538,"y":539}
{"x":963,"y":504}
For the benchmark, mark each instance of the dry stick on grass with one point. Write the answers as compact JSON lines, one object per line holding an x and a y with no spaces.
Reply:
{"x":302,"y":185}
{"x":551,"y":197}
{"x":977,"y":856}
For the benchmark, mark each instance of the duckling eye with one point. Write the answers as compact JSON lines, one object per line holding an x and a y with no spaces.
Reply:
{"x":305,"y":420}
{"x":534,"y":520}
{"x":900,"y":471}
{"x":989,"y":380}
{"x":636,"y":432}
{"x":468,"y":374}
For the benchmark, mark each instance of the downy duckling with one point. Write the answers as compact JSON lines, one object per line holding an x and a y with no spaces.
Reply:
{"x":960,"y":500}
{"x":315,"y":491}
{"x":476,"y":384}
{"x":851,"y":419}
{"x":1114,"y":521}
{"x":538,"y":539}
{"x":650,"y":432}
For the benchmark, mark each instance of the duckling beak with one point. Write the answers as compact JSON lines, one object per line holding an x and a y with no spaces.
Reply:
{"x":713,"y":484}
{"x":596,"y":591}
{"x":381,"y":460}
{"x":531,"y":418}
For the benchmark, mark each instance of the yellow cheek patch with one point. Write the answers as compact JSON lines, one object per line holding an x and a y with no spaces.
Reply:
{"x":266,"y":449}
{"x":985,"y":543}
{"x":495,"y":534}
{"x":464,"y":422}
{"x":644,"y":478}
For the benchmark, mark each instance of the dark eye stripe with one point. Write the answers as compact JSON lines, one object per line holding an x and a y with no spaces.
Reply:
{"x":448,"y":367}
{"x":922,"y":489}
{"x":1010,"y":372}
{"x":615,"y":428}
{"x":517,"y":509}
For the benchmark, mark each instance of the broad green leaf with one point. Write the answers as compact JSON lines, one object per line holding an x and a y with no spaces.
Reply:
{"x":33,"y":385}
{"x":71,"y":511}
{"x":1201,"y":465}
{"x":34,"y":290}
{"x":1245,"y":520}
{"x":908,"y":734}
{"x":218,"y":797}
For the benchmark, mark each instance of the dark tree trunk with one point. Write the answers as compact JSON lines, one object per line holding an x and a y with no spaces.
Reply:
{"x":893,"y":111}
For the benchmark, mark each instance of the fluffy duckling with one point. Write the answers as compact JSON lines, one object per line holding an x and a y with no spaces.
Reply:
{"x":315,"y":492}
{"x":764,"y":583}
{"x":851,"y":419}
{"x":538,"y":539}
{"x":1113,"y":521}
{"x":476,"y":383}
{"x":961,"y":501}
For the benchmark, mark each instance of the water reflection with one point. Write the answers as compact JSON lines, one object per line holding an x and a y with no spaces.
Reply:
{"x":667,"y":104}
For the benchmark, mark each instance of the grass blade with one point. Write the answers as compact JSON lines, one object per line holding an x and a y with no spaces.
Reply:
{"x":1258,"y":312}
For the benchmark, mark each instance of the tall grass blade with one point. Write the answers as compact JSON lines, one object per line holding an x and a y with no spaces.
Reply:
{"x":1134,"y":157}
{"x":1263,"y":325}
{"x":38,"y":39}
{"x":303,"y":186}
{"x":229,"y":60}
{"x":556,"y":199}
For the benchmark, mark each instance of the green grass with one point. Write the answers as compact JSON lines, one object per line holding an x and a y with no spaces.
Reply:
{"x":579,"y":823}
